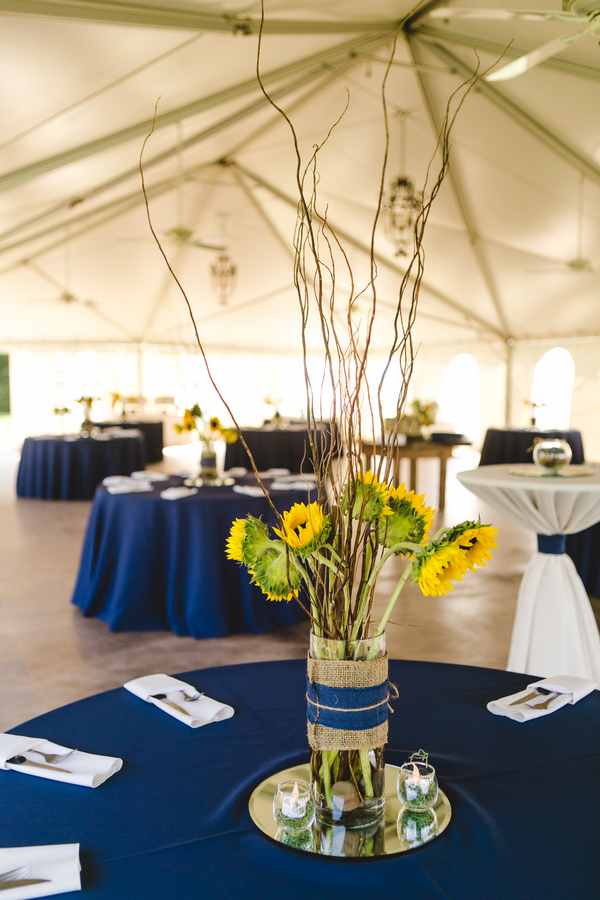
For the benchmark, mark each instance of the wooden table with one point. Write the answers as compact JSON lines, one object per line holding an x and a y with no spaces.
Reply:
{"x":413,"y":450}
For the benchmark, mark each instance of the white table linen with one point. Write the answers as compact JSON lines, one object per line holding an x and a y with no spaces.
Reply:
{"x":59,"y":863}
{"x":554,"y":628}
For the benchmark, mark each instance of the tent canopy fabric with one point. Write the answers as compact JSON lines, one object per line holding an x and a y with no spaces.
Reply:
{"x":512,"y":244}
{"x":80,"y":83}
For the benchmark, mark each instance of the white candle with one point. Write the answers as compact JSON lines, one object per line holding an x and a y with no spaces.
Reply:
{"x":292,"y":805}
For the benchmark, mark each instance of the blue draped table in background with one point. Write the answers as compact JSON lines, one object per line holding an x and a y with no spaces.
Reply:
{"x":69,"y":467}
{"x":286,"y":448}
{"x":152,"y":431}
{"x":173,"y":824}
{"x":149,"y":563}
{"x":515,"y":445}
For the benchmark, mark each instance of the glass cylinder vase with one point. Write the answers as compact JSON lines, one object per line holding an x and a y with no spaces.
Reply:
{"x":208,"y":461}
{"x":348,"y":775}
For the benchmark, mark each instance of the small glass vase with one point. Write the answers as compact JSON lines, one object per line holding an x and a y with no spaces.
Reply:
{"x":349,"y":785}
{"x":208,"y":462}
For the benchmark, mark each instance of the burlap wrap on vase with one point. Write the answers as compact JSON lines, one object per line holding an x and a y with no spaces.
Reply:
{"x":347,"y":703}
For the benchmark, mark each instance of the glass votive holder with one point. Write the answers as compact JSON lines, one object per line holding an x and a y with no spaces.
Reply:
{"x":417,"y":786}
{"x":416,"y":828}
{"x":294,"y":806}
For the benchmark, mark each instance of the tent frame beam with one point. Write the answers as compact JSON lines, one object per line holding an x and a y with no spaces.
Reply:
{"x":518,"y":115}
{"x":309,"y":64}
{"x":463,"y":40}
{"x":462,"y":204}
{"x":364,"y":248}
{"x":120,"y":13}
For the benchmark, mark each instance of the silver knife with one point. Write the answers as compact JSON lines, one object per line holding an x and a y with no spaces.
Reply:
{"x":525,"y":699}
{"x":22,"y":760}
{"x":22,"y":882}
{"x":163,"y":699}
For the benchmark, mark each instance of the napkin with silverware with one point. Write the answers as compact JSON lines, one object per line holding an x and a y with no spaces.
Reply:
{"x":249,"y":489}
{"x":179,"y":699}
{"x":42,"y":871}
{"x":178,"y":493}
{"x":298,"y":485}
{"x":540,"y":698}
{"x":148,"y":475}
{"x":36,"y":756}
{"x":121,"y":484}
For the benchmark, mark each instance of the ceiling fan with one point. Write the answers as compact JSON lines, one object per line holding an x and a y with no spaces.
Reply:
{"x":181,"y":236}
{"x":65,"y":296}
{"x":572,"y":11}
{"x":579,"y":264}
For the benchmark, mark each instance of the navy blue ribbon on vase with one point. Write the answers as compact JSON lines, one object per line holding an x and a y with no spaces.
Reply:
{"x":347,"y":709}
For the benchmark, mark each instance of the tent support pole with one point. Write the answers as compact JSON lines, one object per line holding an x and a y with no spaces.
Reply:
{"x":508,"y":383}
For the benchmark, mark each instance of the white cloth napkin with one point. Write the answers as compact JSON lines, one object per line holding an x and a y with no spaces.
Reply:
{"x":569,"y":688}
{"x":248,"y":489}
{"x":59,"y":863}
{"x":149,"y":475}
{"x":298,"y":485}
{"x":238,"y":472}
{"x":85,"y":769}
{"x":177,"y":493}
{"x":196,"y":713}
{"x":274,"y":473}
{"x":300,"y":476}
{"x":127,"y":486}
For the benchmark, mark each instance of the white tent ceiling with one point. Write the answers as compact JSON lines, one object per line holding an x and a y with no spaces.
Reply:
{"x":78,"y":83}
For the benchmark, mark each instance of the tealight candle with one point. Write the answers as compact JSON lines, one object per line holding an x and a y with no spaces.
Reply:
{"x":294,"y":806}
{"x":417,"y":786}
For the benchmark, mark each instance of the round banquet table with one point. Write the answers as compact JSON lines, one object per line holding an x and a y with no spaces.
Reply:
{"x":173,"y":824}
{"x":554,"y":632}
{"x":152,"y":431}
{"x":153,"y":564}
{"x":515,"y":445}
{"x":69,"y":467}
{"x":287,"y":448}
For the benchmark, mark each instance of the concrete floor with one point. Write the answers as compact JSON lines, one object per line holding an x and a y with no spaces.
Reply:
{"x":50,"y":655}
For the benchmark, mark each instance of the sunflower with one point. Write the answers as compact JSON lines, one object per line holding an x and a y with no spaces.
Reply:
{"x":305,"y":528}
{"x":436,"y":566}
{"x":236,"y":540}
{"x":215,"y":424}
{"x":274,"y":574}
{"x":370,"y":497}
{"x":248,"y":540}
{"x":476,"y":541}
{"x":408,"y":519}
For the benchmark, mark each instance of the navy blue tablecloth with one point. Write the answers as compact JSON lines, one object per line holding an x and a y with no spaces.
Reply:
{"x":515,"y":445}
{"x":152,"y":431}
{"x":149,"y":564}
{"x":285,"y":448}
{"x":56,"y":468}
{"x":173,"y":824}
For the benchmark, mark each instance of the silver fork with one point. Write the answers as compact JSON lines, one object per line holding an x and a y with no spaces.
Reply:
{"x":546,"y":702}
{"x":195,"y":697}
{"x":16,"y":874}
{"x":52,"y":757}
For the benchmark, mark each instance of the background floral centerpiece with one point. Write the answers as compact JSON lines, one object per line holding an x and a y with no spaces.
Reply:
{"x":209,"y":432}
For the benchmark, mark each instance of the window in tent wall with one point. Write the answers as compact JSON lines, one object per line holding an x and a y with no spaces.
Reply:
{"x":459,"y":396}
{"x":552,"y":385}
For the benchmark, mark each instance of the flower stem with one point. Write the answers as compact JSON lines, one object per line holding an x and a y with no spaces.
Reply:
{"x":393,"y":598}
{"x":366,"y":770}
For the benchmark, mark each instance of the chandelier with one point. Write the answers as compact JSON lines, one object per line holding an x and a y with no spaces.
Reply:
{"x":401,"y":204}
{"x":222,"y":276}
